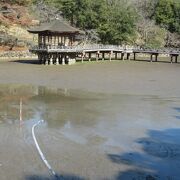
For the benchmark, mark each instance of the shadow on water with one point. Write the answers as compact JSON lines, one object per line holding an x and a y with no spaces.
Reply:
{"x":27,"y":61}
{"x":159,"y":159}
{"x":160,"y":60}
{"x":59,"y":177}
{"x":178,"y":110}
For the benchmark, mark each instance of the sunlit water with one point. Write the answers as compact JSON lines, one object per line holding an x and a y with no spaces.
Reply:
{"x":87,"y":135}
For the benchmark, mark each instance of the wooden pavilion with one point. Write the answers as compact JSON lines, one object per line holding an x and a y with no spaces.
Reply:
{"x":55,"y":42}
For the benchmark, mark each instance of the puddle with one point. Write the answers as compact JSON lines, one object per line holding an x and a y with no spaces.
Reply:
{"x":88,"y":135}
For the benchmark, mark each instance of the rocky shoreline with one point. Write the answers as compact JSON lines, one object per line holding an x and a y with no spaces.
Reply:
{"x":16,"y":54}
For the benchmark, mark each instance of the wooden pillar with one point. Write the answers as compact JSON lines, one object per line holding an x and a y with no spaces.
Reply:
{"x":122,"y":56}
{"x":67,"y":59}
{"x":82,"y":57}
{"x":110,"y":55}
{"x":151,"y":58}
{"x":43,"y":58}
{"x":128,"y":56}
{"x":47,"y":59}
{"x":54,"y":58}
{"x":48,"y":39}
{"x":39,"y":41}
{"x":116,"y":55}
{"x":156,"y":57}
{"x":58,"y":40}
{"x":89,"y":56}
{"x":134,"y":56}
{"x":51,"y":59}
{"x":44,"y":41}
{"x":39,"y":58}
{"x":63,"y":59}
{"x":71,"y":41}
{"x":97,"y":55}
{"x":171,"y":59}
{"x":57,"y":59}
{"x":53,"y":41}
{"x":103,"y":56}
{"x":176,"y":58}
{"x":61,"y":40}
{"x":60,"y":58}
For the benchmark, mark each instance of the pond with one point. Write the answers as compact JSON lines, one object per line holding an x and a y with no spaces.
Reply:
{"x":88,"y":135}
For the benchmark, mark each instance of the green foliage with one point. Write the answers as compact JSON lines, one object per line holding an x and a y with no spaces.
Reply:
{"x":156,"y":38}
{"x":113,"y":20}
{"x":167,"y":14}
{"x":119,"y":26}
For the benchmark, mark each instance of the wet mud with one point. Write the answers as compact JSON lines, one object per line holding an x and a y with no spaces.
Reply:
{"x":102,"y":121}
{"x":88,"y":135}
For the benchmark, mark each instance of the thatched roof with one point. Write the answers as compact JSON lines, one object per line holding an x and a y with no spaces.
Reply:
{"x":55,"y":26}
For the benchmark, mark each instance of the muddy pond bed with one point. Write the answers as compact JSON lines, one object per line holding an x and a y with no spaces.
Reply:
{"x":88,"y":135}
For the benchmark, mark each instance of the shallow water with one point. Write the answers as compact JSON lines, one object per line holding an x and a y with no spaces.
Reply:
{"x":88,"y":135}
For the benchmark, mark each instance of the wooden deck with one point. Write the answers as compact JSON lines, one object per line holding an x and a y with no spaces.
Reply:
{"x":102,"y":52}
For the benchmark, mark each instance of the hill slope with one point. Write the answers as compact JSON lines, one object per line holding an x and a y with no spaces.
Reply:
{"x":14,"y":20}
{"x":146,"y":23}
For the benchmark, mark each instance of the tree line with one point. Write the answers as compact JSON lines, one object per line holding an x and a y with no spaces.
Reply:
{"x":150,"y":23}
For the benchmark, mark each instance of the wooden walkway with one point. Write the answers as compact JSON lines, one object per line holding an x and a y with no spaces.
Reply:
{"x":102,"y":52}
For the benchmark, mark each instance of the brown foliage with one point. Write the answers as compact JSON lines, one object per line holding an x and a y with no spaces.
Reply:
{"x":14,"y":14}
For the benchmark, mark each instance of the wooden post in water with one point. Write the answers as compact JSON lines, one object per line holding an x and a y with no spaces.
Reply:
{"x":89,"y":56}
{"x":171,"y":59}
{"x":57,"y":59}
{"x":110,"y":55}
{"x":156,"y":56}
{"x":47,"y":59}
{"x":151,"y":58}
{"x":97,"y":55}
{"x":82,"y":57}
{"x":128,"y":56}
{"x":134,"y":56}
{"x":176,"y":58}
{"x":40,"y":58}
{"x":116,"y":55}
{"x":122,"y":56}
{"x":103,"y":55}
{"x":51,"y":59}
{"x":63,"y":59}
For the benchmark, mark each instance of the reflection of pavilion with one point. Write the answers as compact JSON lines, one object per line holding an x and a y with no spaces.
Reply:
{"x":55,"y":106}
{"x":55,"y":42}
{"x":14,"y":102}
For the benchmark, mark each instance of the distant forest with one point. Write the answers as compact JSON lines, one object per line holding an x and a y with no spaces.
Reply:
{"x":146,"y":23}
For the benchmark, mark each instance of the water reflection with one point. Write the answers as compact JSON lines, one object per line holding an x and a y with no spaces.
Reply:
{"x":83,"y":116}
{"x":81,"y":128}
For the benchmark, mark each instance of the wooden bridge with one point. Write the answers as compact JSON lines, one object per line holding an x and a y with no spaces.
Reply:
{"x":69,"y":54}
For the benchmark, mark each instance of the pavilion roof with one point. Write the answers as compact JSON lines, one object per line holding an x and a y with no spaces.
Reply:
{"x":55,"y":26}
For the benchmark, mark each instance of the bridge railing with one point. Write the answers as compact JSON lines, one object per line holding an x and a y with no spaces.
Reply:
{"x":97,"y":47}
{"x":161,"y":50}
{"x":82,"y":47}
